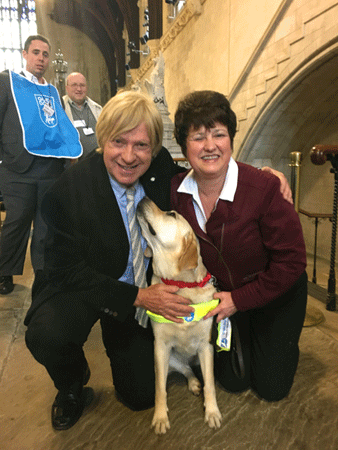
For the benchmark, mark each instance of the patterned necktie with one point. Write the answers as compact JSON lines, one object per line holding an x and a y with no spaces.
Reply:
{"x":140,"y":278}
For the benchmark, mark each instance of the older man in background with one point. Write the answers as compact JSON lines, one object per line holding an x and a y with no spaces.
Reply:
{"x":82,"y":111}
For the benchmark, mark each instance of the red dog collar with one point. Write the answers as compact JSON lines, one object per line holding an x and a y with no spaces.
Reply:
{"x":183,"y":284}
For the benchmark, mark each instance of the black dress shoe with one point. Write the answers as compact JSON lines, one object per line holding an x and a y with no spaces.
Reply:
{"x":69,"y":404}
{"x":6,"y":284}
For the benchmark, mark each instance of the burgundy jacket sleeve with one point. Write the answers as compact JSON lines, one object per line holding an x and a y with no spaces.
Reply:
{"x":254,"y":245}
{"x":283,"y":241}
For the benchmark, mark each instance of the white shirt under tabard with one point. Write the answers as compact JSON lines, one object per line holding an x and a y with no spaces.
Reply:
{"x":189,"y":186}
{"x":32,"y":77}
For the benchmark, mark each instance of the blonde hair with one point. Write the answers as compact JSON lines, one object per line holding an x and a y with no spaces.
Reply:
{"x":123,"y":113}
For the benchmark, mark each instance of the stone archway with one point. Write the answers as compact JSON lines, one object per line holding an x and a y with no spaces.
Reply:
{"x":286,"y":100}
{"x":301,"y":114}
{"x":300,"y":40}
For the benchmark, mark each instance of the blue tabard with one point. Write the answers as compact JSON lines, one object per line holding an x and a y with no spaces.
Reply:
{"x":46,"y":131}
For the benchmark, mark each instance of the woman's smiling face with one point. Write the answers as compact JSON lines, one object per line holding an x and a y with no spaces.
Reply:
{"x":209,"y":151}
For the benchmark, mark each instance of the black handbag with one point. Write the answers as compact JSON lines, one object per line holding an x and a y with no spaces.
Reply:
{"x":236,"y":353}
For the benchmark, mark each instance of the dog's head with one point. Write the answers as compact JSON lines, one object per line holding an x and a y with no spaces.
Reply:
{"x":171,"y":240}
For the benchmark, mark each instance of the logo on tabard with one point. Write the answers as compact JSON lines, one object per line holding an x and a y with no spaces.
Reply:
{"x":47,"y":110}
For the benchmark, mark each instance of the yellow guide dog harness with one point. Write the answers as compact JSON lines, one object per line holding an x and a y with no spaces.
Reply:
{"x":200,"y":310}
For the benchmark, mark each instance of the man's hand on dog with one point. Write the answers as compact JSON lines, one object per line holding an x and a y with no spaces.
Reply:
{"x":225,"y":308}
{"x":161,"y":299}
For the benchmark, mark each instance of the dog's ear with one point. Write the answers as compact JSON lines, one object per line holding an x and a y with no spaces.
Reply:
{"x":148,"y":252}
{"x":189,"y":255}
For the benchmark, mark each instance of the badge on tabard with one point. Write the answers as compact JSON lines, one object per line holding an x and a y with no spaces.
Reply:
{"x":46,"y":110}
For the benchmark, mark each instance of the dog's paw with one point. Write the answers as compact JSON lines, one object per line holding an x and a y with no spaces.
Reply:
{"x":213,"y":418}
{"x":194,"y":386}
{"x":160,"y":424}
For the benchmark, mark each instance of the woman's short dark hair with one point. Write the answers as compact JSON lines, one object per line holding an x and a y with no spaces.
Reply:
{"x":203,"y":108}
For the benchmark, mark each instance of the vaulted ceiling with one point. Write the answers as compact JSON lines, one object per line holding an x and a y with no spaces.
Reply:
{"x":103,"y":22}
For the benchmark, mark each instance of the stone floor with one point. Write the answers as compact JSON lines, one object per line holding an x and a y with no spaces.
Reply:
{"x":306,"y":420}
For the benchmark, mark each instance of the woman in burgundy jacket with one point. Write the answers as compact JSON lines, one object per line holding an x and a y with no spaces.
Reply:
{"x":251,"y":241}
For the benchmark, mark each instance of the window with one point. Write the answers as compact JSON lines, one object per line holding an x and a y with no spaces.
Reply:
{"x":174,"y":7}
{"x":180,"y":5}
{"x":17,"y":22}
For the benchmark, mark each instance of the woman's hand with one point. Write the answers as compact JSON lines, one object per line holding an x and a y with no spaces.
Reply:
{"x":161,"y":299}
{"x":284,"y":185}
{"x":226,"y":307}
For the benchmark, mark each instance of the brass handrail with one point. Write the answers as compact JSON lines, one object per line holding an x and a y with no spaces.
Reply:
{"x":314,"y":215}
{"x":180,"y":159}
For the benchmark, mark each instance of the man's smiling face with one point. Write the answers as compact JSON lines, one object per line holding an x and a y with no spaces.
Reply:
{"x":128,"y":156}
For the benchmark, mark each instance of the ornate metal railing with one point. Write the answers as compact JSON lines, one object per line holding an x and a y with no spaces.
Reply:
{"x":317,"y":217}
{"x":319,"y":155}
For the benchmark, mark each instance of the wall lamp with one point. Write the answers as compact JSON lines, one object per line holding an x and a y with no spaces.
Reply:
{"x":144,"y":39}
{"x":172,"y":13}
{"x":132,"y":47}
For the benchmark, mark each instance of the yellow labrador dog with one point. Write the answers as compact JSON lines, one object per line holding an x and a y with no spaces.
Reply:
{"x":176,"y":259}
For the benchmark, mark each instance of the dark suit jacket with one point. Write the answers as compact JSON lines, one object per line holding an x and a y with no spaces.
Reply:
{"x":87,"y":246}
{"x":12,"y":152}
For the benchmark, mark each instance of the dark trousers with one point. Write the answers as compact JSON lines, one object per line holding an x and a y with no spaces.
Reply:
{"x":58,"y":330}
{"x":22,"y":196}
{"x":269,"y":339}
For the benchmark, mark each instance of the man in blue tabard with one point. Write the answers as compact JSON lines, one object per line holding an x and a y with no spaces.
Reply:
{"x":36,"y":137}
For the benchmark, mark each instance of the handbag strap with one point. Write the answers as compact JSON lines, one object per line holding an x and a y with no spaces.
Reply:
{"x":237,"y":359}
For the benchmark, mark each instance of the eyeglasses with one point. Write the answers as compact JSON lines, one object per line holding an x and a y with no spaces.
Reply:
{"x":77,"y":85}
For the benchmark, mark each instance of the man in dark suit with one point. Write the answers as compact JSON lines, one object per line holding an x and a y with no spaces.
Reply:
{"x":30,"y":112}
{"x":88,"y":274}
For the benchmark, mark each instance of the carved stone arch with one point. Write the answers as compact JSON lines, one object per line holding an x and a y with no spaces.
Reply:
{"x":299,"y":114}
{"x":281,"y":56}
{"x":72,"y":13}
{"x":103,"y":22}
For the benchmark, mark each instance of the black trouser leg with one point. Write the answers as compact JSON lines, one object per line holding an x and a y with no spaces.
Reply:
{"x":224,"y":368}
{"x":269,"y":338}
{"x":275,"y":332}
{"x":56,"y":334}
{"x":130,"y":349}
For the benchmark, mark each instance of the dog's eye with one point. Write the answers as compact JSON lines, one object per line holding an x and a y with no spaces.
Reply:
{"x":171,"y":214}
